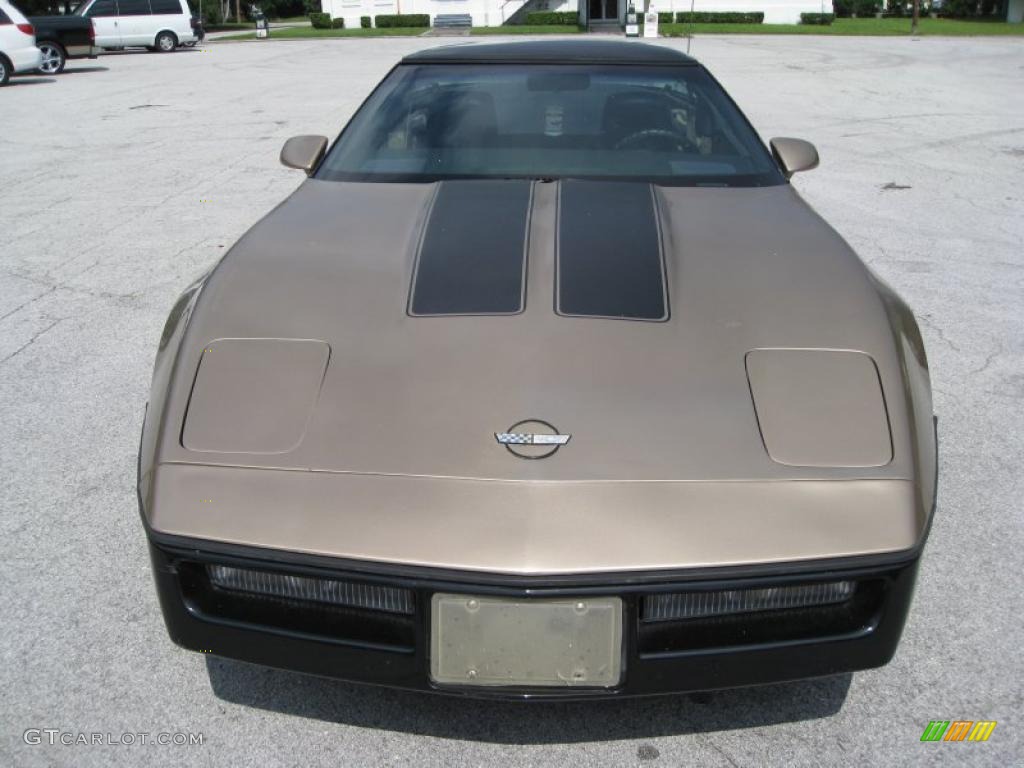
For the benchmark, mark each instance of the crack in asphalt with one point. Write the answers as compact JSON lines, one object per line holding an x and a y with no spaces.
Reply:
{"x":29,"y":302}
{"x":719,"y":750}
{"x":33,"y":340}
{"x":989,"y":359}
{"x":927,"y":321}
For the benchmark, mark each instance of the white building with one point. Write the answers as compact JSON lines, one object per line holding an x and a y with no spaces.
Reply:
{"x":775,"y":11}
{"x":485,"y":13}
{"x":494,"y":13}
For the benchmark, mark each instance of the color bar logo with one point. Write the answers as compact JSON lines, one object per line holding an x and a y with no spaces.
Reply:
{"x":958,"y":730}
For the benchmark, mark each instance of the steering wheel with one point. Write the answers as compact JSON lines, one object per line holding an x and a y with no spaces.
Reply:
{"x":656,"y":138}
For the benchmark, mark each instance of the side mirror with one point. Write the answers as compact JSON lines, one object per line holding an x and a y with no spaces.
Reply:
{"x":794,"y":155}
{"x":303,"y":152}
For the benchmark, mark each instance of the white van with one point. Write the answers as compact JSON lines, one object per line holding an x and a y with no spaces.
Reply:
{"x":18,"y":52}
{"x":160,"y":25}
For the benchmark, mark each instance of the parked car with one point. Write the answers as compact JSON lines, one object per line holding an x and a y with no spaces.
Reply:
{"x":546,"y":383}
{"x":18,"y":51}
{"x":61,"y":38}
{"x":159,"y":25}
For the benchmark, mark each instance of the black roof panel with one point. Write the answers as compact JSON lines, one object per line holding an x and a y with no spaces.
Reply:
{"x":551,"y":52}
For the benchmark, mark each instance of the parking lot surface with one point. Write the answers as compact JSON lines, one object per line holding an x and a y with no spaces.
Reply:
{"x":126,"y":178}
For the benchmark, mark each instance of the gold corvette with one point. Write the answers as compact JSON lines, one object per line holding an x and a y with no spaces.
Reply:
{"x":546,"y":383}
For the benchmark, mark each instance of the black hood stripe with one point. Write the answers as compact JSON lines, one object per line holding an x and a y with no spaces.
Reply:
{"x":472,"y":257}
{"x":610,"y":261}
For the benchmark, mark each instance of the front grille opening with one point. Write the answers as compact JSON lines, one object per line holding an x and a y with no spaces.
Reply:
{"x":330,"y":591}
{"x":370,"y":615}
{"x":691,"y":605}
{"x":698,"y":620}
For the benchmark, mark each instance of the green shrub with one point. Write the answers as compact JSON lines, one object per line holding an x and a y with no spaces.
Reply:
{"x":719,"y":17}
{"x":212,"y":17}
{"x":824,"y":19}
{"x":320,"y":20}
{"x":365,"y":22}
{"x":549,"y":18}
{"x":905,"y":8}
{"x":402,"y":20}
{"x":338,"y":23}
{"x":865,"y":9}
{"x":958,"y":9}
{"x":663,"y":18}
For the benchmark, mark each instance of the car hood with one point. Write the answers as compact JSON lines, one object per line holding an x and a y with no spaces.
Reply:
{"x":320,"y":392}
{"x":657,"y":398}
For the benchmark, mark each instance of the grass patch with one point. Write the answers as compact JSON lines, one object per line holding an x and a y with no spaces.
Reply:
{"x":853,"y":27}
{"x":528,"y":29}
{"x":294,"y":33}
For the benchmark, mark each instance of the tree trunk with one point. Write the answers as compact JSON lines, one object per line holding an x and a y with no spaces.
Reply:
{"x":238,"y":10}
{"x":916,"y":17}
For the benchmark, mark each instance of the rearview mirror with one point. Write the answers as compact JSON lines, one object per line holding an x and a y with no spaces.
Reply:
{"x":794,"y":155}
{"x":303,"y":152}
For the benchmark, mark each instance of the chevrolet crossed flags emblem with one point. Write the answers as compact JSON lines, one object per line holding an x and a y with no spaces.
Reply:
{"x":521,"y":438}
{"x":532,"y":439}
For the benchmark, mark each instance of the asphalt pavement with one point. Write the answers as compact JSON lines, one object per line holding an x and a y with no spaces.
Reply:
{"x":127,"y":177}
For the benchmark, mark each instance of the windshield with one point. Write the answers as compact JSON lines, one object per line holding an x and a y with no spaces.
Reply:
{"x":670,"y":125}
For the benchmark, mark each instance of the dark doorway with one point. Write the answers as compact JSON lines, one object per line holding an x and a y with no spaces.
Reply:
{"x":603,"y":10}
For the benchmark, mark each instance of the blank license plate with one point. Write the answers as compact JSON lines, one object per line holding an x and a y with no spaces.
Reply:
{"x":495,"y":641}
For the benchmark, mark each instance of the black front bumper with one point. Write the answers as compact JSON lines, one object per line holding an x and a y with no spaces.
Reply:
{"x":659,"y":657}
